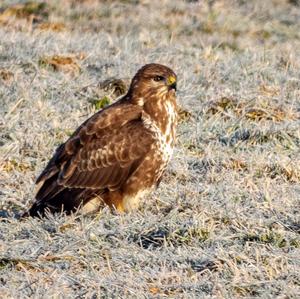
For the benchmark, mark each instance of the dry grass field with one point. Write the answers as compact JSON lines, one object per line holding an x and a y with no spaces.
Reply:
{"x":225,"y":222}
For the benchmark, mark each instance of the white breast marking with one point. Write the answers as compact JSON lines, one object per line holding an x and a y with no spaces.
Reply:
{"x":165,"y":145}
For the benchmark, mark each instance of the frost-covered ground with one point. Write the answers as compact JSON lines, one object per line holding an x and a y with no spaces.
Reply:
{"x":225,"y":221}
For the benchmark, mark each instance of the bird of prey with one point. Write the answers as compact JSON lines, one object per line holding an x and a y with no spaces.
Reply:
{"x":117,"y":154}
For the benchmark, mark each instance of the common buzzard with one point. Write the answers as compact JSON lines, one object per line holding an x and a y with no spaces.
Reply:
{"x":117,"y":154}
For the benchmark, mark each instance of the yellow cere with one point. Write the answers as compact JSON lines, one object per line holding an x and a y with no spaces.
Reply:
{"x":171,"y":80}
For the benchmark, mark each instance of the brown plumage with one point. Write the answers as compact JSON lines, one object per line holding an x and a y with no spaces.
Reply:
{"x":118,"y":153}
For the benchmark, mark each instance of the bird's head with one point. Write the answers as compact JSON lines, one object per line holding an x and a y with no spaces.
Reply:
{"x":152,"y":81}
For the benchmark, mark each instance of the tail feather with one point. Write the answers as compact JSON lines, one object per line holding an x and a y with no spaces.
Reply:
{"x":67,"y":200}
{"x":55,"y":198}
{"x":48,"y":189}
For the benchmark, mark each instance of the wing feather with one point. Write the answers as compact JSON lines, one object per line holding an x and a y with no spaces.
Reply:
{"x":112,"y":117}
{"x":112,"y":159}
{"x":101,"y":154}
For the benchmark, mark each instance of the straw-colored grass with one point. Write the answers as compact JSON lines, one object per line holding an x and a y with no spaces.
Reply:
{"x":224,"y":222}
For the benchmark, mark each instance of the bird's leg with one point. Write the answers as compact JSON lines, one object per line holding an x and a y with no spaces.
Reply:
{"x":114,"y":200}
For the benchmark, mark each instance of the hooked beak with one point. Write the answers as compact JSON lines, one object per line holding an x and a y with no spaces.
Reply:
{"x":171,"y":82}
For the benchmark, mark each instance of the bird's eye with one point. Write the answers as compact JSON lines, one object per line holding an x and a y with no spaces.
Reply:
{"x":158,"y":78}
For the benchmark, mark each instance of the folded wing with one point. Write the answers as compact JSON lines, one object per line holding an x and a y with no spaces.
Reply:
{"x":101,"y":155}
